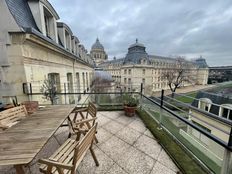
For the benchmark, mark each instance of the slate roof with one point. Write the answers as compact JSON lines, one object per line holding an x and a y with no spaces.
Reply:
{"x":201,"y":63}
{"x":97,"y":45}
{"x":217,"y":99}
{"x":136,"y":52}
{"x":21,"y":12}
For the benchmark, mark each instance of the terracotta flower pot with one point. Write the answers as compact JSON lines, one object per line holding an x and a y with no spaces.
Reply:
{"x":31,"y":106}
{"x":129,"y":111}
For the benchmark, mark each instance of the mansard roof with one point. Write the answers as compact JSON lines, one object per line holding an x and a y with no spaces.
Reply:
{"x":136,"y":52}
{"x":21,"y":12}
{"x":201,"y":63}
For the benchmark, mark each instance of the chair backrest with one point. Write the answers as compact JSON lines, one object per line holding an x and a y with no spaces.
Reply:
{"x":91,"y":110}
{"x":83,"y":146}
{"x":13,"y":114}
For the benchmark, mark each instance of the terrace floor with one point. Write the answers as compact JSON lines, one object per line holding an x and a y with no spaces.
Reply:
{"x":125,"y":147}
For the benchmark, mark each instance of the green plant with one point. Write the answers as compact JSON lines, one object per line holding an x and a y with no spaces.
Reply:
{"x":49,"y":90}
{"x":131,"y":101}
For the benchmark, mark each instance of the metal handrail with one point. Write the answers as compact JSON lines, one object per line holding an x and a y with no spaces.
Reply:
{"x":210,"y":136}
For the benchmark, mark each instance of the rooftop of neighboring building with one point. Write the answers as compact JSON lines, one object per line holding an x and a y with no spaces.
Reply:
{"x":201,"y":62}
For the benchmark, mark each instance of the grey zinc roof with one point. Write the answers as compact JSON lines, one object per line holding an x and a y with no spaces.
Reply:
{"x":21,"y":12}
{"x":97,"y":45}
{"x":201,"y":63}
{"x":136,"y":52}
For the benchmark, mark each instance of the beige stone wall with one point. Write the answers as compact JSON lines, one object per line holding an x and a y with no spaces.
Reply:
{"x":213,"y":125}
{"x":32,"y":59}
{"x":202,"y":76}
{"x":216,"y":127}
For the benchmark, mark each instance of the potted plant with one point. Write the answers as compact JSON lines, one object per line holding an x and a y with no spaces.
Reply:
{"x":130,"y":105}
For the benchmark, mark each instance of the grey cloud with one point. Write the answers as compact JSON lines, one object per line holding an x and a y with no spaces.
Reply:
{"x":166,"y":27}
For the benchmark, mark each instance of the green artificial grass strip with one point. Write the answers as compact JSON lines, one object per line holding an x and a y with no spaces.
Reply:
{"x":186,"y":99}
{"x":183,"y":159}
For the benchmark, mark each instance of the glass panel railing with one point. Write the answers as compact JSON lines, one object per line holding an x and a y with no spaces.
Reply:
{"x":205,"y":149}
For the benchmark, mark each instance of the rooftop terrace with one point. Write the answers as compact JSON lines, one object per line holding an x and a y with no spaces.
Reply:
{"x":125,"y":146}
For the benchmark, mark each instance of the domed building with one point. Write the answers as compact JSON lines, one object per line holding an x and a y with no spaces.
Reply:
{"x":98,"y":53}
{"x":139,"y":67}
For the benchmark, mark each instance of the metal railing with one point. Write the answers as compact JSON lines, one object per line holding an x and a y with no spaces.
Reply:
{"x":180,"y":127}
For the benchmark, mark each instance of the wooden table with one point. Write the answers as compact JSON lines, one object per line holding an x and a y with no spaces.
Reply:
{"x":21,"y":143}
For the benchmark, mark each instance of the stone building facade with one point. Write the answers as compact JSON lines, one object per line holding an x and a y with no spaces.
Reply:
{"x":35,"y":47}
{"x":139,"y":67}
{"x":98,"y":53}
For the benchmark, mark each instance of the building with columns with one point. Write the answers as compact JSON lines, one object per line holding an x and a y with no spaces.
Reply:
{"x":34,"y":46}
{"x":139,"y":67}
{"x":98,"y":53}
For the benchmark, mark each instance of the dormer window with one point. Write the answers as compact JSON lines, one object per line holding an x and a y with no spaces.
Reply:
{"x":48,"y":23}
{"x":204,"y":104}
{"x":67,"y":39}
{"x":226,"y":111}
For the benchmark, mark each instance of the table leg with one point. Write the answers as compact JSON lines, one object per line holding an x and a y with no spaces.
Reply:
{"x":19,"y":169}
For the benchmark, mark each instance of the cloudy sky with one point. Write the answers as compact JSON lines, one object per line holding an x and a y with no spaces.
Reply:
{"x":166,"y":27}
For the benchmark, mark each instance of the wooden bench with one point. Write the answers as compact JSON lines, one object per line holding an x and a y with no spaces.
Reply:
{"x":12,"y":116}
{"x":69,"y":155}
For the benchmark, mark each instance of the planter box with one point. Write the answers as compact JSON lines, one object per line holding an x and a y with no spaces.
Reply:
{"x":129,"y":111}
{"x":31,"y":106}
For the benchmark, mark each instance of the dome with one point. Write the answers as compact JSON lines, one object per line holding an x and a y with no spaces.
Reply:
{"x":97,"y":45}
{"x":136,"y":53}
{"x":136,"y":44}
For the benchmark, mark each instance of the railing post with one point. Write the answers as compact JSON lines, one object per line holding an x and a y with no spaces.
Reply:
{"x":65,"y":100}
{"x":141,"y":89}
{"x":161,"y":109}
{"x":30,"y":96}
{"x":227,"y":161}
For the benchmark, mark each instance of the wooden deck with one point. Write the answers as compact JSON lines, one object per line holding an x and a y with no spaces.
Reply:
{"x":22,"y":142}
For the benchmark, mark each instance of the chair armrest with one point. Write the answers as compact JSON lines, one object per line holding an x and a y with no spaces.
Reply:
{"x":75,"y":110}
{"x":3,"y":127}
{"x":84,"y":121}
{"x":50,"y":162}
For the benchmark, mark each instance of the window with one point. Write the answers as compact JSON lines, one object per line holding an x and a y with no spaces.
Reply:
{"x":55,"y":79}
{"x":204,"y":104}
{"x":78,"y":82}
{"x":69,"y":82}
{"x":47,"y":25}
{"x":129,"y":71}
{"x":67,"y":39}
{"x":125,"y":80}
{"x":129,"y":81}
{"x":226,"y":111}
{"x":143,"y":71}
{"x":48,"y":19}
{"x":125,"y":71}
{"x":143,"y":81}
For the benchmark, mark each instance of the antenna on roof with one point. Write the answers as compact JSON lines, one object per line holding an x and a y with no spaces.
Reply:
{"x":136,"y":40}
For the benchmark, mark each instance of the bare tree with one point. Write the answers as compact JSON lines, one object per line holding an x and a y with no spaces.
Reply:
{"x":181,"y":72}
{"x":49,"y":90}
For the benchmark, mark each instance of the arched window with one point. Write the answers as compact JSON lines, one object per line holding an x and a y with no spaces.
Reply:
{"x":204,"y":104}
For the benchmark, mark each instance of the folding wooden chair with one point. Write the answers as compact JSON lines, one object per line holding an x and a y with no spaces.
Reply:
{"x":81,"y":125}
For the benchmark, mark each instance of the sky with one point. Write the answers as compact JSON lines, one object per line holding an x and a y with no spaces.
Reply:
{"x":189,"y":28}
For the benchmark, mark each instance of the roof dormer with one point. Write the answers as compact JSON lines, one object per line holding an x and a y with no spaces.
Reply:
{"x":65,"y":35}
{"x":75,"y":43}
{"x":45,"y":17}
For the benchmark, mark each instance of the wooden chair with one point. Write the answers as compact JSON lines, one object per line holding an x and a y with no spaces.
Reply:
{"x":81,"y":125}
{"x":67,"y":158}
{"x":12,"y":116}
